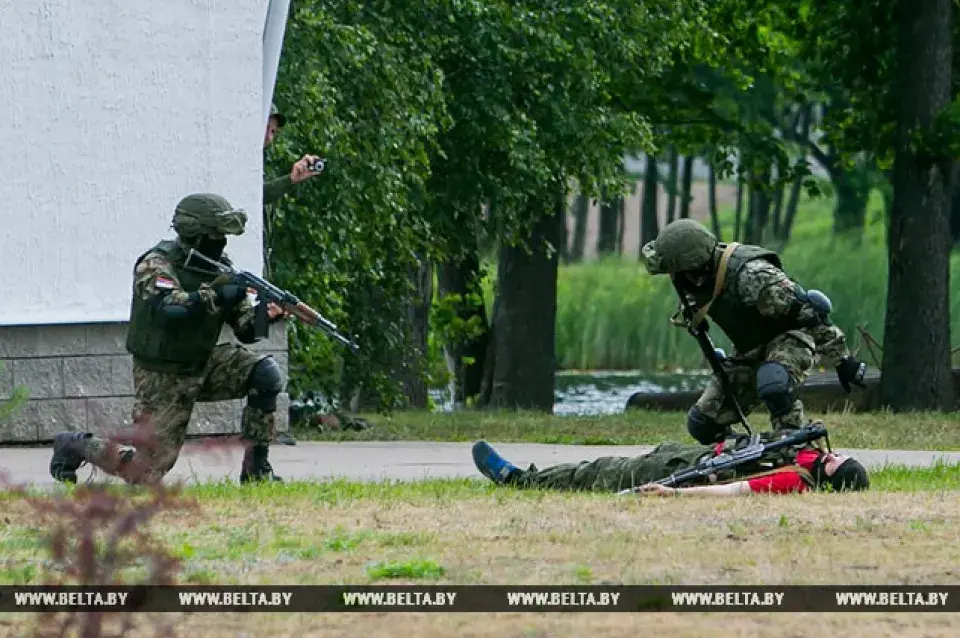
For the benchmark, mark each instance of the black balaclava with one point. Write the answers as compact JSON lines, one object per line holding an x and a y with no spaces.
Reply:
{"x":700,"y":281}
{"x":209,"y":247}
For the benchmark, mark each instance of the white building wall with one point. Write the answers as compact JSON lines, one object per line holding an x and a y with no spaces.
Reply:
{"x":113,"y":110}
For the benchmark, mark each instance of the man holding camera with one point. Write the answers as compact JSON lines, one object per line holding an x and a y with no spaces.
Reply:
{"x":305,"y":168}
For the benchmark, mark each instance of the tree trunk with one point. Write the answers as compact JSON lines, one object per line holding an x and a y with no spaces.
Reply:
{"x":621,"y":205}
{"x":525,"y":322}
{"x":916,"y":348}
{"x":738,"y":215}
{"x":672,"y":184}
{"x":712,"y":203}
{"x":411,"y":373}
{"x":466,"y":358}
{"x":607,"y":230}
{"x":581,"y":207}
{"x":649,"y":225}
{"x":686,"y":187}
{"x":793,"y":202}
{"x":563,"y":242}
{"x":955,"y":201}
{"x":489,"y":357}
{"x":759,"y":212}
{"x":778,"y":194}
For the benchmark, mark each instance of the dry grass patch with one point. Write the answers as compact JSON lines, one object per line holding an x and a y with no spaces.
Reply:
{"x":304,"y":533}
{"x":467,"y":532}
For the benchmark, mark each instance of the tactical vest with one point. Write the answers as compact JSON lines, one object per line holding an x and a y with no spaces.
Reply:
{"x":742,"y":323}
{"x":180,"y":345}
{"x":687,"y":456}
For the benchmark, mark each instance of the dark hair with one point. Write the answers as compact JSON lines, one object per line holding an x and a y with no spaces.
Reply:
{"x":849,"y":477}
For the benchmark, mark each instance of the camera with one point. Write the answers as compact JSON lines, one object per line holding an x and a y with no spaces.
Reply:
{"x":316,"y":166}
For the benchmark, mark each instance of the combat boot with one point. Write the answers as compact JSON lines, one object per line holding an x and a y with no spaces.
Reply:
{"x":68,"y":455}
{"x":256,"y":467}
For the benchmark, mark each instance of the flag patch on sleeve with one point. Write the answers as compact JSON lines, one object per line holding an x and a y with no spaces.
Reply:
{"x":164,"y":283}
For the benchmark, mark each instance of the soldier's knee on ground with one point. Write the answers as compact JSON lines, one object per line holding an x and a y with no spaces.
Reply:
{"x":775,"y":388}
{"x":704,"y":428}
{"x":264,"y":385}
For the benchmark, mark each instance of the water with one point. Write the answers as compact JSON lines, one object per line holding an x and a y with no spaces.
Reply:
{"x":603,"y":392}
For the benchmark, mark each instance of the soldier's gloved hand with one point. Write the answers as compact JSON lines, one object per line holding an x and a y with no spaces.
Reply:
{"x":230,"y":293}
{"x":851,"y":371}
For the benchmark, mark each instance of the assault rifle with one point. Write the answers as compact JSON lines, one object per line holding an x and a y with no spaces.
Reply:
{"x":709,"y":350}
{"x":751,"y":452}
{"x":268,"y":293}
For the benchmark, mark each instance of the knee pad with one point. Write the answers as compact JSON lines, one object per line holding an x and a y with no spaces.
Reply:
{"x":703,"y":428}
{"x":775,"y":388}
{"x":264,"y":385}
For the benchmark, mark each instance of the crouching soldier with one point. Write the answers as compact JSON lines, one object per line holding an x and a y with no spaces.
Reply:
{"x":780,"y":332}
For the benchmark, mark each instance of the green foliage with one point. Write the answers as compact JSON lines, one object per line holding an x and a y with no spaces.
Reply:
{"x":17,"y":398}
{"x":412,"y":569}
{"x":430,"y":115}
{"x":452,"y":126}
{"x":453,"y":322}
{"x":370,"y":105}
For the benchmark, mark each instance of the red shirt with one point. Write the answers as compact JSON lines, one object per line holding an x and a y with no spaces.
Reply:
{"x":784,"y":482}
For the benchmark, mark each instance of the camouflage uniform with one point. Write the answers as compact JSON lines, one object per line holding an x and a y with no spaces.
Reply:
{"x":800,"y":350}
{"x":166,"y":400}
{"x":176,"y":319}
{"x":616,"y":473}
{"x":779,"y":331}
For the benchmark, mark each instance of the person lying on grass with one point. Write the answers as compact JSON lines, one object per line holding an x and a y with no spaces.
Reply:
{"x":781,"y":471}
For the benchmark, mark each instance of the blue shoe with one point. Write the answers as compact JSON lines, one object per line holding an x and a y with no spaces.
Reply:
{"x":492,"y":465}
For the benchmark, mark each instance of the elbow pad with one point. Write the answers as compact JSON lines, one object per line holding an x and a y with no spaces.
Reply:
{"x":190,"y":307}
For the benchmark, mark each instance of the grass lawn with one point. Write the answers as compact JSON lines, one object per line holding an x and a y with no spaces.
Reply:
{"x":469,"y":532}
{"x":881,"y":430}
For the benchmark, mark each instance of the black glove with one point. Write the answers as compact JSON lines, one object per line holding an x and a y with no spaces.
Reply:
{"x":230,"y":293}
{"x":849,"y":370}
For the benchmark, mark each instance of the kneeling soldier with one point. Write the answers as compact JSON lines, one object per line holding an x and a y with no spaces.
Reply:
{"x":176,"y":317}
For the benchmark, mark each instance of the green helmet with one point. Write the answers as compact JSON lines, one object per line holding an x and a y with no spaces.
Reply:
{"x":682,"y":245}
{"x":205,"y":213}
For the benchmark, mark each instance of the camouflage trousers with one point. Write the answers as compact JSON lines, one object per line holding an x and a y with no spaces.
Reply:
{"x":615,"y":473}
{"x":164,"y":403}
{"x":792,"y":350}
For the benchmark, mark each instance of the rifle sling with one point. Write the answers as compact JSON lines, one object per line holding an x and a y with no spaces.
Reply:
{"x":718,"y":284}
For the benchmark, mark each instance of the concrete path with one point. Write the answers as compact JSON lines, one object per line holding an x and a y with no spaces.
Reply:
{"x":373,"y":461}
